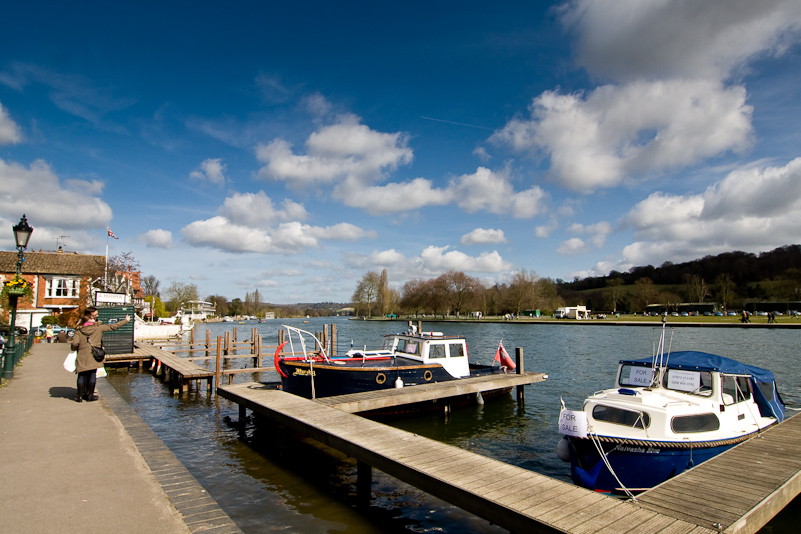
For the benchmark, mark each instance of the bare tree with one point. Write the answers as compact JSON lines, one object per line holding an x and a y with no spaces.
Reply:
{"x":150,"y":286}
{"x":522,"y":291}
{"x":366,"y":292}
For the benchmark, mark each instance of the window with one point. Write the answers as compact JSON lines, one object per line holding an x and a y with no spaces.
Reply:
{"x":62,"y":288}
{"x":636,"y":376}
{"x":735,"y":389}
{"x":687,"y":424}
{"x":456,"y":350}
{"x":619,"y":416}
{"x":697,"y":382}
{"x":436,"y":351}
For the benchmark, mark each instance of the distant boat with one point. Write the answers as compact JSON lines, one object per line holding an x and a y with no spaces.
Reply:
{"x":665,"y":415}
{"x":406,"y":359}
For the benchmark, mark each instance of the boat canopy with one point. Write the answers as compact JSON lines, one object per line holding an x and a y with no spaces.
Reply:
{"x":766,"y":394}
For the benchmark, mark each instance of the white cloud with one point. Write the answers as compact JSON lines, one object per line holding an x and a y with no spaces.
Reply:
{"x":572,"y":247}
{"x":481,"y":236}
{"x":622,"y":39}
{"x":287,"y":238}
{"x":635,"y":130}
{"x":493,"y":192}
{"x":9,"y":131}
{"x":346,"y":149}
{"x":597,"y":232}
{"x":257,"y":209}
{"x":211,"y":170}
{"x":157,"y":238}
{"x":38,"y":192}
{"x":751,"y":210}
{"x":545,"y":230}
{"x":439,"y":259}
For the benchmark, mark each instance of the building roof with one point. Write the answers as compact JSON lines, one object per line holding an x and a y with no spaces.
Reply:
{"x":54,"y":263}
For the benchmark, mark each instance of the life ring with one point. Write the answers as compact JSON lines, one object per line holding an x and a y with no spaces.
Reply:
{"x":380,"y":378}
{"x":277,"y":358}
{"x":428,"y":376}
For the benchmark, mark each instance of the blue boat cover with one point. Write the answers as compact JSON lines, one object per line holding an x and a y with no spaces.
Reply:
{"x":763,"y":383}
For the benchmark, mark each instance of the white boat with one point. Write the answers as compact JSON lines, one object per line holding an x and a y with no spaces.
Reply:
{"x":144,"y":330}
{"x":665,"y":415}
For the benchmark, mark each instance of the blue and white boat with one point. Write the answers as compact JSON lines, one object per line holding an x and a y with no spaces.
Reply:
{"x":665,"y":415}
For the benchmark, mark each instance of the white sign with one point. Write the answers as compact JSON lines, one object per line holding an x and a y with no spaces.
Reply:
{"x":573,"y":423}
{"x":684,"y":380}
{"x":111,"y":298}
{"x":641,"y":376}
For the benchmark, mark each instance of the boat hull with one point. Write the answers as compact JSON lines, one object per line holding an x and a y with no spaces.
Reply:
{"x":639,"y":466}
{"x":331,"y":380}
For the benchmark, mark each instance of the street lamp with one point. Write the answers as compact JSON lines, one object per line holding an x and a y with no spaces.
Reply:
{"x":22,"y":234}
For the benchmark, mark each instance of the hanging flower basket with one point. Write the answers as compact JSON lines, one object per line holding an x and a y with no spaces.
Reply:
{"x":16,"y":287}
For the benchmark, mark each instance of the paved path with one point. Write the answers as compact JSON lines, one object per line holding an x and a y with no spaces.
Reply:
{"x":68,"y":467}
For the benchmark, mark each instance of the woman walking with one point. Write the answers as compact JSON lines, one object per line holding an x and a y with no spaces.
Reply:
{"x":90,"y":333}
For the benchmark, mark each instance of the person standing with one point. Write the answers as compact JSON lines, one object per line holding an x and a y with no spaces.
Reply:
{"x":49,"y":333}
{"x":90,"y":333}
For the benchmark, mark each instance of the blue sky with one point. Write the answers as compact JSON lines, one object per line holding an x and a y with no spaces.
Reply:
{"x":292,"y":147}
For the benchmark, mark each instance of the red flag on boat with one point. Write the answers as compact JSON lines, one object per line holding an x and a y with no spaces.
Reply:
{"x":502,"y":357}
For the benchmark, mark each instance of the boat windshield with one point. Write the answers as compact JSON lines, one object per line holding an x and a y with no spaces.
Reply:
{"x":695,"y":382}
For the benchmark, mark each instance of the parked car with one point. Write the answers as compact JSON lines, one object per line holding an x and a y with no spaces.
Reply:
{"x":718,"y":314}
{"x":732,"y":314}
{"x":39,"y":331}
{"x":5,"y":330}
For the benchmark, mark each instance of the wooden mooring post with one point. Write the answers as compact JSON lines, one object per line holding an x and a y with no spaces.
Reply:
{"x":519,"y":389}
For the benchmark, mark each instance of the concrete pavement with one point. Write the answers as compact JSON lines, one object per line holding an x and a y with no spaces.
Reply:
{"x":68,"y":467}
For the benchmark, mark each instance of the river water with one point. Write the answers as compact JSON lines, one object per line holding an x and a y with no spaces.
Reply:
{"x":268,"y":480}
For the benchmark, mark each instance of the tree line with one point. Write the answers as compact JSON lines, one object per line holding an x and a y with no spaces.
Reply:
{"x":454,"y":293}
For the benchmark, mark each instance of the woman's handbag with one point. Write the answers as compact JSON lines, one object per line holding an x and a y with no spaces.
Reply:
{"x":98,"y":353}
{"x":69,"y":362}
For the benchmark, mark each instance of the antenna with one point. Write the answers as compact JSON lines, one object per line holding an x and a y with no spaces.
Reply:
{"x":63,"y":239}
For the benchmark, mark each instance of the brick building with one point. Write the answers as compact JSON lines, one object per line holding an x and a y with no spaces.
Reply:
{"x":62,"y":282}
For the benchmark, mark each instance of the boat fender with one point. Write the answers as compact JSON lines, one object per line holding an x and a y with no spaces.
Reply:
{"x":278,"y":357}
{"x":398,"y":383}
{"x":563,"y":450}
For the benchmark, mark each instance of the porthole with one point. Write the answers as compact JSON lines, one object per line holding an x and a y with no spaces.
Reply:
{"x":381,"y":378}
{"x":428,"y":376}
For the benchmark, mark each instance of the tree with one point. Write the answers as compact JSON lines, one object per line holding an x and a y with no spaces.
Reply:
{"x":150,"y":286}
{"x":724,"y":287}
{"x":522,"y":291}
{"x":458,"y":289}
{"x":648,"y":292}
{"x":220,"y":304}
{"x":366,"y":293}
{"x":179,"y":294}
{"x":119,"y":271}
{"x":236,"y":307}
{"x":615,"y":284}
{"x":413,"y":297}
{"x":158,"y":309}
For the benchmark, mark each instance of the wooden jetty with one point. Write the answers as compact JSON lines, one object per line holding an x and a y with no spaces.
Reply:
{"x":739,"y":490}
{"x":514,"y":498}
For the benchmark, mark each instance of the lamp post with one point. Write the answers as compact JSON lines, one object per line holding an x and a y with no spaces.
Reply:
{"x":22,"y":233}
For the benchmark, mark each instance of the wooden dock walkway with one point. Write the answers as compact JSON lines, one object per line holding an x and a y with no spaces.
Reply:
{"x":739,"y":490}
{"x":511,"y":497}
{"x":388,"y":398}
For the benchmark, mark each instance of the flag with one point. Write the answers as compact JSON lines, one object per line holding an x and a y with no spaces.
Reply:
{"x":110,"y":233}
{"x":502,"y":357}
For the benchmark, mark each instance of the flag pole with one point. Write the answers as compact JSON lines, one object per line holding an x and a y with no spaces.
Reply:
{"x":105,"y":268}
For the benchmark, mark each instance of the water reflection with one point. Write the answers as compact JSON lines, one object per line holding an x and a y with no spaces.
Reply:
{"x":268,"y":479}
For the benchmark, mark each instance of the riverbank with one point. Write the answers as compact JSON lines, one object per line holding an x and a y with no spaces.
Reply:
{"x":624,"y":320}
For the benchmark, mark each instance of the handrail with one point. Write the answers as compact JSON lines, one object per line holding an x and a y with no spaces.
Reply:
{"x":300,"y":334}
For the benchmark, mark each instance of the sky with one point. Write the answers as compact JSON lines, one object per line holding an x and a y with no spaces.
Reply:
{"x":291,"y":147}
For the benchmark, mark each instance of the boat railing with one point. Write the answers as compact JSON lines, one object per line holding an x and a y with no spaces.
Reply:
{"x":317,"y":350}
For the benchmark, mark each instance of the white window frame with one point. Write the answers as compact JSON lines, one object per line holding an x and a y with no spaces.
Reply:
{"x":69,"y":285}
